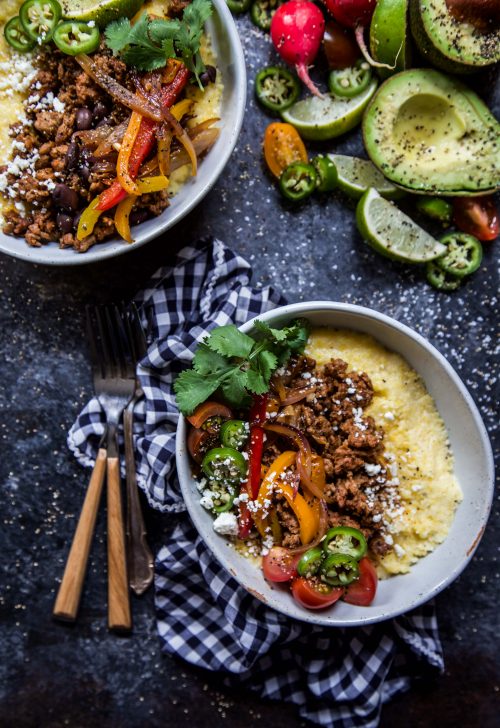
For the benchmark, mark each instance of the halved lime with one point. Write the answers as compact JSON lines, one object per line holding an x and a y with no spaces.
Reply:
{"x":392,"y":233}
{"x":389,"y":30}
{"x":328,"y":116}
{"x":101,"y":12}
{"x":356,"y":176}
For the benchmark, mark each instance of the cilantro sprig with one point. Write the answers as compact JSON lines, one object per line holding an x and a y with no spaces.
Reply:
{"x":150,"y":42}
{"x":236,"y":364}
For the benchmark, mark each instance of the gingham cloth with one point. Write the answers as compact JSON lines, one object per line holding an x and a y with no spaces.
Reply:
{"x":337,"y":677}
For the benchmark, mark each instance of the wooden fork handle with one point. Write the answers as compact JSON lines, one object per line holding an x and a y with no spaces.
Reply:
{"x":68,"y":596}
{"x":119,"y":617}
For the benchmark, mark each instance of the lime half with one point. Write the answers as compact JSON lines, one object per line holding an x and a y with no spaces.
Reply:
{"x":388,"y":33}
{"x":356,"y":176}
{"x":392,"y":233}
{"x":101,"y":12}
{"x":329,"y":116}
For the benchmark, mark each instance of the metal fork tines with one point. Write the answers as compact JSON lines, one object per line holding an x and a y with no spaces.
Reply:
{"x":114,"y":383}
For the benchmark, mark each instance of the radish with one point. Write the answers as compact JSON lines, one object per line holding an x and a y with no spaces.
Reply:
{"x":297,"y":29}
{"x":356,"y":14}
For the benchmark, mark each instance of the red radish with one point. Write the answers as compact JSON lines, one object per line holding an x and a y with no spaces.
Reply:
{"x":297,"y":29}
{"x":356,"y":14}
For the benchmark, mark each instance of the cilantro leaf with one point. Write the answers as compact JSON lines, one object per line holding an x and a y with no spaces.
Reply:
{"x":144,"y":58}
{"x":192,"y":388}
{"x":278,"y":335}
{"x":267,"y":363}
{"x":256,"y":382}
{"x":117,"y":34}
{"x":208,"y":362}
{"x":159,"y":30}
{"x":233,"y":388}
{"x":229,"y":341}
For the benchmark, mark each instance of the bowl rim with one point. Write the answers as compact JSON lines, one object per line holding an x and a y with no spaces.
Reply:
{"x":114,"y":247}
{"x":303,"y":308}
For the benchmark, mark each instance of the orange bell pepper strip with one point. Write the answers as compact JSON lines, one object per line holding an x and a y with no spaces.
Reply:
{"x":122,"y":218}
{"x":122,"y":165}
{"x":306,"y":515}
{"x":144,"y":141}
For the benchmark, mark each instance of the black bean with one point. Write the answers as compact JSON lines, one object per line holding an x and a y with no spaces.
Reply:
{"x":65,"y":198}
{"x":72,"y":156}
{"x":84,"y":172}
{"x":83,"y":119}
{"x":138,"y":216}
{"x":76,"y":219}
{"x":100,"y":111}
{"x":64,"y":222}
{"x":102,"y":122}
{"x":209,"y":75}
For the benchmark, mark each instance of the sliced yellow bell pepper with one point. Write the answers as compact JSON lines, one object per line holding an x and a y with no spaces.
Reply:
{"x":122,"y":218}
{"x":181,"y":108}
{"x":307,"y":516}
{"x":88,"y":220}
{"x":122,"y":170}
{"x":152,"y":184}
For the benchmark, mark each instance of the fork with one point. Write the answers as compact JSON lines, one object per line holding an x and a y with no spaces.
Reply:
{"x":114,"y":384}
{"x":139,"y":555}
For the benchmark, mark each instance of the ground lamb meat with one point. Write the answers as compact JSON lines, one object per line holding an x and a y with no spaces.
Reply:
{"x":55,"y":154}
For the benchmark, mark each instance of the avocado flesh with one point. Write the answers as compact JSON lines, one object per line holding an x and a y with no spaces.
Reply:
{"x":429,"y":133}
{"x":451,"y":44}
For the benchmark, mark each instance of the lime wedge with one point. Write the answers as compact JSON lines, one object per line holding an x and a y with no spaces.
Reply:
{"x":101,"y":12}
{"x":328,"y":116}
{"x":392,"y":233}
{"x":388,"y":33}
{"x":356,"y":176}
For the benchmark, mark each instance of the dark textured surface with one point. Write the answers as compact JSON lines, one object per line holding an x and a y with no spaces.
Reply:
{"x":82,"y":676}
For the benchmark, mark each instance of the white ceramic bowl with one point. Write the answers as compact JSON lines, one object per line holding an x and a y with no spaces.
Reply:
{"x":473,"y":468}
{"x":231,"y":65}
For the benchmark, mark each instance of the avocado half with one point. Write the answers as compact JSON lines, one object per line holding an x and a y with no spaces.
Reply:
{"x":451,"y":44}
{"x":429,"y":133}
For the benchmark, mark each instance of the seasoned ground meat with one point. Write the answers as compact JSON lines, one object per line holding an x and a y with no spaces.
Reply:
{"x":52,"y":152}
{"x":359,"y":491}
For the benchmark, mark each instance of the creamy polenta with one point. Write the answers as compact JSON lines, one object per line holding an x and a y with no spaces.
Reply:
{"x":417,"y":449}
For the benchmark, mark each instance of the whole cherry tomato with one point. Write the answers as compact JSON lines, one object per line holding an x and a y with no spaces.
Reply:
{"x":341,"y":49}
{"x":282,"y":146}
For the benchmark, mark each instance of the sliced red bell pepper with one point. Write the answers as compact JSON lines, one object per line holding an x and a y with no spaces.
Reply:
{"x":144,"y":141}
{"x":251,"y":487}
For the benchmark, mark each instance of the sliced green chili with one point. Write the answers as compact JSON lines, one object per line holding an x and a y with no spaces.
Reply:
{"x":16,"y":36}
{"x":73,"y":38}
{"x":234,"y":433}
{"x":238,"y":6}
{"x":39,"y":18}
{"x":262,"y":11}
{"x":298,"y":181}
{"x":224,"y":465}
{"x":310,"y":562}
{"x":440,"y":279}
{"x":463,"y":255}
{"x":351,"y":81}
{"x":339,"y":570}
{"x":327,"y":173}
{"x":276,"y":88}
{"x":345,"y":540}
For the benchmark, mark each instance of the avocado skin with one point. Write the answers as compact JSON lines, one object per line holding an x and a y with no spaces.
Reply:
{"x":481,"y":133}
{"x":437,"y":56}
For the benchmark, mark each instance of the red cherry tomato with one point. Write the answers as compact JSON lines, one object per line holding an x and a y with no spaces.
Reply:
{"x":207,"y":410}
{"x":477,"y":216}
{"x":198,"y":442}
{"x":362,"y":592}
{"x":341,"y":49}
{"x":279,"y":564}
{"x":306,"y":593}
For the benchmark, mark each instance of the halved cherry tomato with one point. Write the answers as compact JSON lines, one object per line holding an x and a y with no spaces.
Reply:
{"x":362,"y":592}
{"x":207,"y":410}
{"x":477,"y":216}
{"x":279,"y":564}
{"x":282,"y":146}
{"x":339,"y":44}
{"x":313,"y":594}
{"x":199,"y":442}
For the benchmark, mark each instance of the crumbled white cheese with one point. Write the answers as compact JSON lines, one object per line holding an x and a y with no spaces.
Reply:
{"x":226,"y":524}
{"x":389,"y":416}
{"x":372,"y":469}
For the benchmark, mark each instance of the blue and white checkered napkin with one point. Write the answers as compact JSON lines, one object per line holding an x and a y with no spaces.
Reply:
{"x":337,"y":677}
